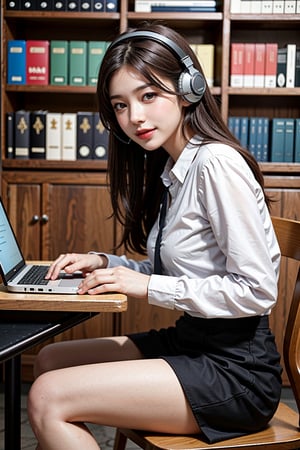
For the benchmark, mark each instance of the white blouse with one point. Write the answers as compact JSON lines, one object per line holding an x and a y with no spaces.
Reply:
{"x":219,"y":252}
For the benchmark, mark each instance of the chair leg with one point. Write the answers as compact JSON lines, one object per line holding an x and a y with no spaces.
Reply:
{"x":120,"y":440}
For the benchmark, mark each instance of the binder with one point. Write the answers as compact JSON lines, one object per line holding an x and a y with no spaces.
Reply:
{"x":10,"y":135}
{"x":78,"y":63}
{"x":37,"y":148}
{"x":54,"y":136}
{"x":84,"y":135}
{"x":96,"y":50}
{"x":69,"y":136}
{"x":37,"y":62}
{"x":22,"y":134}
{"x":59,"y":62}
{"x":277,"y":140}
{"x":101,"y":139}
{"x":16,"y":62}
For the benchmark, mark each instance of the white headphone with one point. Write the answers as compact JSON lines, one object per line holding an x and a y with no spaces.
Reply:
{"x":191,"y":83}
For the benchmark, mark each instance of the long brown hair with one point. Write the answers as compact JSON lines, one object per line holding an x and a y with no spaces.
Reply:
{"x":134,"y":174}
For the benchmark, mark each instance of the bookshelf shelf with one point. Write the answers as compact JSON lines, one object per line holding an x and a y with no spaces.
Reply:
{"x":50,"y":89}
{"x":34,"y":164}
{"x":282,"y":92}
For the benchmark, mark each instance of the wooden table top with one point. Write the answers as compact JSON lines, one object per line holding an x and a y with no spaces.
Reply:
{"x":112,"y":302}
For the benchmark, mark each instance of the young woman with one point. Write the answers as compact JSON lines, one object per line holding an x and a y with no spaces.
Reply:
{"x":217,"y":371}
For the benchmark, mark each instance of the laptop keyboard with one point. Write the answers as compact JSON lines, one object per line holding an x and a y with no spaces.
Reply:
{"x":35,"y":275}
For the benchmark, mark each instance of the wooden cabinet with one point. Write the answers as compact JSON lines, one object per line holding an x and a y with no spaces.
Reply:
{"x":57,"y":212}
{"x":58,"y":206}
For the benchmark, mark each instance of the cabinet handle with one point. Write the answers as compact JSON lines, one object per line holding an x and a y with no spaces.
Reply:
{"x":45,"y":218}
{"x":35,"y":219}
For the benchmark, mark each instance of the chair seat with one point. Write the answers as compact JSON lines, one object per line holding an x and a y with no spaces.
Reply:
{"x":282,"y":430}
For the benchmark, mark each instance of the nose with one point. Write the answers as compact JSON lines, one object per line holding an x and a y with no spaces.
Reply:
{"x":137,"y":113}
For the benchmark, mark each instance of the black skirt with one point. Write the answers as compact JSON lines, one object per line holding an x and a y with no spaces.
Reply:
{"x":229,"y":370}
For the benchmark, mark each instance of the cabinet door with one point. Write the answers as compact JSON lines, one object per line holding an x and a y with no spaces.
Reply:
{"x":23,"y":206}
{"x":77,"y":219}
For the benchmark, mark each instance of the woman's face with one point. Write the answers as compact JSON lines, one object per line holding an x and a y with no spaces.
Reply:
{"x":149,"y":116}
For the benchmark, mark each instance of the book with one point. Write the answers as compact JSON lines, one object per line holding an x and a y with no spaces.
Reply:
{"x":289,"y":140}
{"x":235,"y":6}
{"x":289,"y":6}
{"x":111,"y":5}
{"x":252,"y":136}
{"x":59,"y":5}
{"x":255,"y":6}
{"x":16,"y":62}
{"x":100,"y":139}
{"x":259,"y":65}
{"x":277,"y":140}
{"x":37,"y":147}
{"x":297,"y":140}
{"x":72,"y":5}
{"x":147,"y":5}
{"x":281,"y":67}
{"x":85,"y":5}
{"x":59,"y":62}
{"x":98,"y":5}
{"x":244,"y":126}
{"x":22,"y":134}
{"x":69,"y":128}
{"x":249,"y":52}
{"x":54,"y":136}
{"x":205,"y":55}
{"x":10,"y":135}
{"x":234,"y":126}
{"x":297,"y":68}
{"x":267,"y":7}
{"x":13,"y":5}
{"x":271,"y":65}
{"x":78,"y":63}
{"x":183,"y":9}
{"x":237,"y":64}
{"x":95,"y":53}
{"x":43,"y":5}
{"x":290,"y":65}
{"x":265,"y":140}
{"x":84,"y":135}
{"x":297,"y":6}
{"x":259,"y":138}
{"x":37,"y":62}
{"x":27,"y":5}
{"x":245,"y":7}
{"x":278,"y":6}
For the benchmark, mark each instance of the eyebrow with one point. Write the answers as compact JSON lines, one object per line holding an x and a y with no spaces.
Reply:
{"x":139,"y":88}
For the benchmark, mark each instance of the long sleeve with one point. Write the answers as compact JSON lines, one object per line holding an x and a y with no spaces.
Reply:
{"x":219,"y":249}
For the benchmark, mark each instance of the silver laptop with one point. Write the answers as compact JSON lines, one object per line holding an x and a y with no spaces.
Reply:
{"x":18,"y":276}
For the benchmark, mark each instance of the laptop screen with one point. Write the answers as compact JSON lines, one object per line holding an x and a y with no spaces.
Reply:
{"x":11,"y":258}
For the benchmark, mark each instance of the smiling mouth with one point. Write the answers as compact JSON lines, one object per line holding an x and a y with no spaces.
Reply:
{"x":145,"y":134}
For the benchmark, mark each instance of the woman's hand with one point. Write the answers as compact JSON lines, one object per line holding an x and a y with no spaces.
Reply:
{"x":73,"y":262}
{"x":116,"y":279}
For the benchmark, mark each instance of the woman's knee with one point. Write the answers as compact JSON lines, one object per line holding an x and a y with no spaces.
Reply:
{"x":40,"y":398}
{"x":45,"y":360}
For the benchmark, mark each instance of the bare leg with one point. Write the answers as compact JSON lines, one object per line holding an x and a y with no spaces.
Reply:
{"x":85,"y":351}
{"x":143,"y":394}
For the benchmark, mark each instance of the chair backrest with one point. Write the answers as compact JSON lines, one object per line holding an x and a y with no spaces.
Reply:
{"x":288,"y":235}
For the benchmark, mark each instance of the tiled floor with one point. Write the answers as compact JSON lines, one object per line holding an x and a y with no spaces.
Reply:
{"x":104,"y":435}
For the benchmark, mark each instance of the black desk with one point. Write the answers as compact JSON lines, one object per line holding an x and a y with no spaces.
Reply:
{"x":19,"y":331}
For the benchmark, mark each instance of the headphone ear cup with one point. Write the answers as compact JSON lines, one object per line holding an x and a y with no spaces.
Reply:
{"x":191,"y":85}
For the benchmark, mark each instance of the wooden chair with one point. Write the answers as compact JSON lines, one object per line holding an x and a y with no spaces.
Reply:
{"x":283,"y":432}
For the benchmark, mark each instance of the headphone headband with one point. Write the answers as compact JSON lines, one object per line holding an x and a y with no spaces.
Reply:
{"x":191,"y":82}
